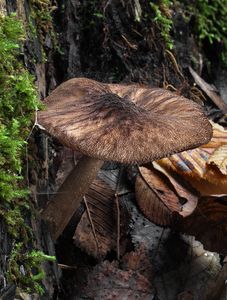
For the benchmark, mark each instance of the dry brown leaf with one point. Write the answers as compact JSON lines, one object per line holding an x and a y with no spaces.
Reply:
{"x":107,"y":281}
{"x":151,"y":201}
{"x":210,"y":181}
{"x":205,"y":187}
{"x":159,"y":197}
{"x":184,"y":191}
{"x":191,"y":163}
{"x":208,"y":223}
{"x":219,"y":159}
{"x":102,"y":215}
{"x":219,"y":138}
{"x":195,"y":167}
{"x":101,"y":202}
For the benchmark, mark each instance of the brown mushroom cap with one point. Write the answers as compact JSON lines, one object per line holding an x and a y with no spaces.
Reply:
{"x":123,"y":123}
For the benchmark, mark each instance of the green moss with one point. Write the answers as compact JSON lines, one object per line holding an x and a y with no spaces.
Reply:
{"x":41,"y":23}
{"x":210,"y":22}
{"x":18,"y":101}
{"x":31,"y":274}
{"x":163,"y":20}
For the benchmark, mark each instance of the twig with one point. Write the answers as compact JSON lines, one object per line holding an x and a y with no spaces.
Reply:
{"x":137,"y":32}
{"x":209,"y":90}
{"x":66,"y":267}
{"x":128,"y":43}
{"x":199,"y":92}
{"x":173,"y":59}
{"x":105,"y":7}
{"x":92,"y":225}
{"x":118,"y":213}
{"x":46,"y":162}
{"x":26,"y":146}
{"x":118,"y":226}
{"x":35,"y":124}
{"x":165,"y":83}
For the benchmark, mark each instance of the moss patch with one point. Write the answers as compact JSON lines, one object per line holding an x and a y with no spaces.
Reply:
{"x":41,"y":24}
{"x":209,"y":23}
{"x":18,"y":102}
{"x":162,"y":17}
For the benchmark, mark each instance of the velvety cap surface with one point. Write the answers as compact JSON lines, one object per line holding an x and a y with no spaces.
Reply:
{"x":123,"y":123}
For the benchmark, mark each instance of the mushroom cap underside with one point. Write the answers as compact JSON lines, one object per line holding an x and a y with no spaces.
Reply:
{"x":123,"y":123}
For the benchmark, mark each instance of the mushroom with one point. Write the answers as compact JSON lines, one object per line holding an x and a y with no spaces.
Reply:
{"x":131,"y":124}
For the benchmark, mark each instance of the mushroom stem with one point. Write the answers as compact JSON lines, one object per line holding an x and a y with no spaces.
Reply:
{"x":63,"y":205}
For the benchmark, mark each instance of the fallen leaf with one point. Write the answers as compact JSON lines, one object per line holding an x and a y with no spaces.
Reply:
{"x":188,"y":163}
{"x":219,"y":159}
{"x":219,"y":138}
{"x":154,"y":202}
{"x":197,"y":167}
{"x":185,"y":192}
{"x":101,"y":203}
{"x":159,"y":195}
{"x":208,"y":223}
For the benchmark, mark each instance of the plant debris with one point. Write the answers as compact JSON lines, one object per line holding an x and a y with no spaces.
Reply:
{"x":160,"y":196}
